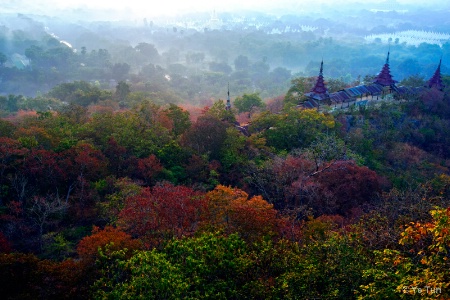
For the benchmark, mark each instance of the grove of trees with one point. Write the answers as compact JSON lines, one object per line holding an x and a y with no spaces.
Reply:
{"x":124,"y":176}
{"x":103,"y":201}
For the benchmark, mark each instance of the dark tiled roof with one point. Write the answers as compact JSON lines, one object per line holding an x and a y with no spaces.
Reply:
{"x":362,"y":89}
{"x":318,"y":97}
{"x":352,"y":92}
{"x":319,"y":87}
{"x":374,"y":88}
{"x":340,"y":96}
{"x":308,"y":104}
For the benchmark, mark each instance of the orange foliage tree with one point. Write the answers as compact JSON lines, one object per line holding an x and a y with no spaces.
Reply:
{"x":88,"y":247}
{"x":420,"y":270}
{"x":231,"y":210}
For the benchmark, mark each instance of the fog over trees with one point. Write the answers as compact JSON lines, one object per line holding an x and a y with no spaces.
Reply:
{"x":192,"y":57}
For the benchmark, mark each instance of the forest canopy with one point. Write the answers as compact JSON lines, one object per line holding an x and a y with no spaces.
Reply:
{"x":179,"y":161}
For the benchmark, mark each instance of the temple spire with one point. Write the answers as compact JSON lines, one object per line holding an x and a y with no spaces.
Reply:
{"x":319,"y":92}
{"x":384,"y":78}
{"x":228,"y":106}
{"x":320,"y":88}
{"x":436,"y":80}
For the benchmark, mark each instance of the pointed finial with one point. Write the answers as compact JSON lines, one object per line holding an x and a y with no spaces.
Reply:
{"x":228,"y":106}
{"x":321,"y":68}
{"x":438,"y":69}
{"x":387,"y":58}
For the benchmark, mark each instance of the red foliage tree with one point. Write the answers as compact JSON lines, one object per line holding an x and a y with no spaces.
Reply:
{"x":333,"y":187}
{"x":118,"y":157}
{"x":5,"y":245}
{"x":44,"y":171}
{"x":275,"y":105}
{"x":17,"y":228}
{"x":206,"y":136}
{"x":24,"y":276}
{"x":148,"y":168}
{"x":81,"y":164}
{"x":162,"y":212}
{"x":281,"y":181}
{"x":344,"y":186}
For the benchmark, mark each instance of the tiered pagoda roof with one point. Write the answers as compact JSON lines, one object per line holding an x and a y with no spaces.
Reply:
{"x":384,"y":78}
{"x":319,"y":87}
{"x":436,"y":80}
{"x":319,"y":91}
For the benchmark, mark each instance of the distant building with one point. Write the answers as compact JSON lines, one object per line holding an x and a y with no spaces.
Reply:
{"x":383,"y":84}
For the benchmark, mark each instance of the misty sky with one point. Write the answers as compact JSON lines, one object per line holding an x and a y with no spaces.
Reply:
{"x":172,"y":7}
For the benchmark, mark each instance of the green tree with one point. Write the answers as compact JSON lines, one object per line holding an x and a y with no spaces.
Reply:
{"x":233,"y":150}
{"x":210,"y":266}
{"x":148,"y":275}
{"x":299,"y":86}
{"x":119,"y":71}
{"x":180,"y":119}
{"x":293,"y":129}
{"x":413,"y":81}
{"x":34,"y":53}
{"x":248,"y":102}
{"x":328,"y":268}
{"x":78,"y":92}
{"x":241,"y":62}
{"x":6,"y":128}
{"x":219,"y":111}
{"x":122,"y":91}
{"x":259,"y":70}
{"x":220,"y":67}
{"x":195,"y":58}
{"x":280,"y":75}
{"x":12,"y":102}
{"x":335,"y":84}
{"x":149,"y":51}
